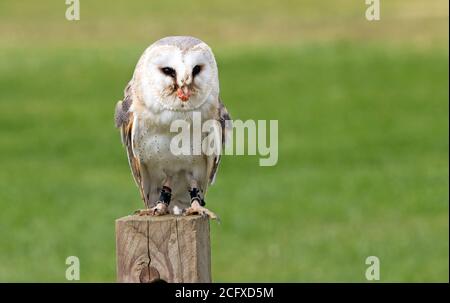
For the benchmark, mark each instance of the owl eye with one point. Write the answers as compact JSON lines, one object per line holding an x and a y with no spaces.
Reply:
{"x":168,"y":71}
{"x":196,"y":70}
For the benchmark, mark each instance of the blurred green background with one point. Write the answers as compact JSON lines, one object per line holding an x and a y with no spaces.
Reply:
{"x":363,"y":130}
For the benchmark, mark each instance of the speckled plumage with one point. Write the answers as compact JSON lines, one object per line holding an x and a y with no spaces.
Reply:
{"x":150,"y":105}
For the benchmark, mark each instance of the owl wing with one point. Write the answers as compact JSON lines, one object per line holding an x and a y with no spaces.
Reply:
{"x":214,"y":161}
{"x":124,"y":120}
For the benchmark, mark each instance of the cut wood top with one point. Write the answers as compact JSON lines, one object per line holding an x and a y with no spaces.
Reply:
{"x":159,"y":218}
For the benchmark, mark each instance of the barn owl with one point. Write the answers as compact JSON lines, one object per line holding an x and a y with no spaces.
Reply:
{"x":174,"y":78}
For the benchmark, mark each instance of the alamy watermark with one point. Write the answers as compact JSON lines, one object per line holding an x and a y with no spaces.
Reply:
{"x":373,"y":10}
{"x":73,"y":10}
{"x":73,"y":270}
{"x":373,"y":271}
{"x":240,"y":138}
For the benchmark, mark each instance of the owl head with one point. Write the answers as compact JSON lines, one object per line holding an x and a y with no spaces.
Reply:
{"x":177,"y":73}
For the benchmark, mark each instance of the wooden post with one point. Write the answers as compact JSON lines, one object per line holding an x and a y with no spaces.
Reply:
{"x":168,"y":248}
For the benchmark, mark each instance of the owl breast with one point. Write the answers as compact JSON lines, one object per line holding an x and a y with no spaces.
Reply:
{"x":151,"y":145}
{"x":153,"y":149}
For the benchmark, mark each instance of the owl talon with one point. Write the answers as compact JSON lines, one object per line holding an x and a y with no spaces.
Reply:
{"x":196,"y":209}
{"x":160,"y":209}
{"x":142,"y":212}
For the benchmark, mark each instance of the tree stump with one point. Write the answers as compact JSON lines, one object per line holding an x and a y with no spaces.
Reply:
{"x":166,"y":248}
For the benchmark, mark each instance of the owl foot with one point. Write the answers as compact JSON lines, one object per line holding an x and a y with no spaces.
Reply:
{"x":142,"y":212}
{"x":197,"y":209}
{"x":162,"y":206}
{"x":159,"y":210}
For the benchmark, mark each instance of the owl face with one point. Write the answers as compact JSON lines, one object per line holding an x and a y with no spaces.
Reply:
{"x":179,"y":79}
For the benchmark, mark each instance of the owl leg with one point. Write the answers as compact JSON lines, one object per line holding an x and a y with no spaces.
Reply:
{"x":198,"y":203}
{"x":162,"y":205}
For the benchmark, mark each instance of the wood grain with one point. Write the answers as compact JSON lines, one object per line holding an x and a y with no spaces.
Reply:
{"x":168,"y":248}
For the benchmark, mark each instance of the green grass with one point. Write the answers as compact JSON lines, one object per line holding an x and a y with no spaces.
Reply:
{"x":363,"y":165}
{"x":363,"y":145}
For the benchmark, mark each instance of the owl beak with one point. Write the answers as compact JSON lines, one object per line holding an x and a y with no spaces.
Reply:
{"x":183,"y":93}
